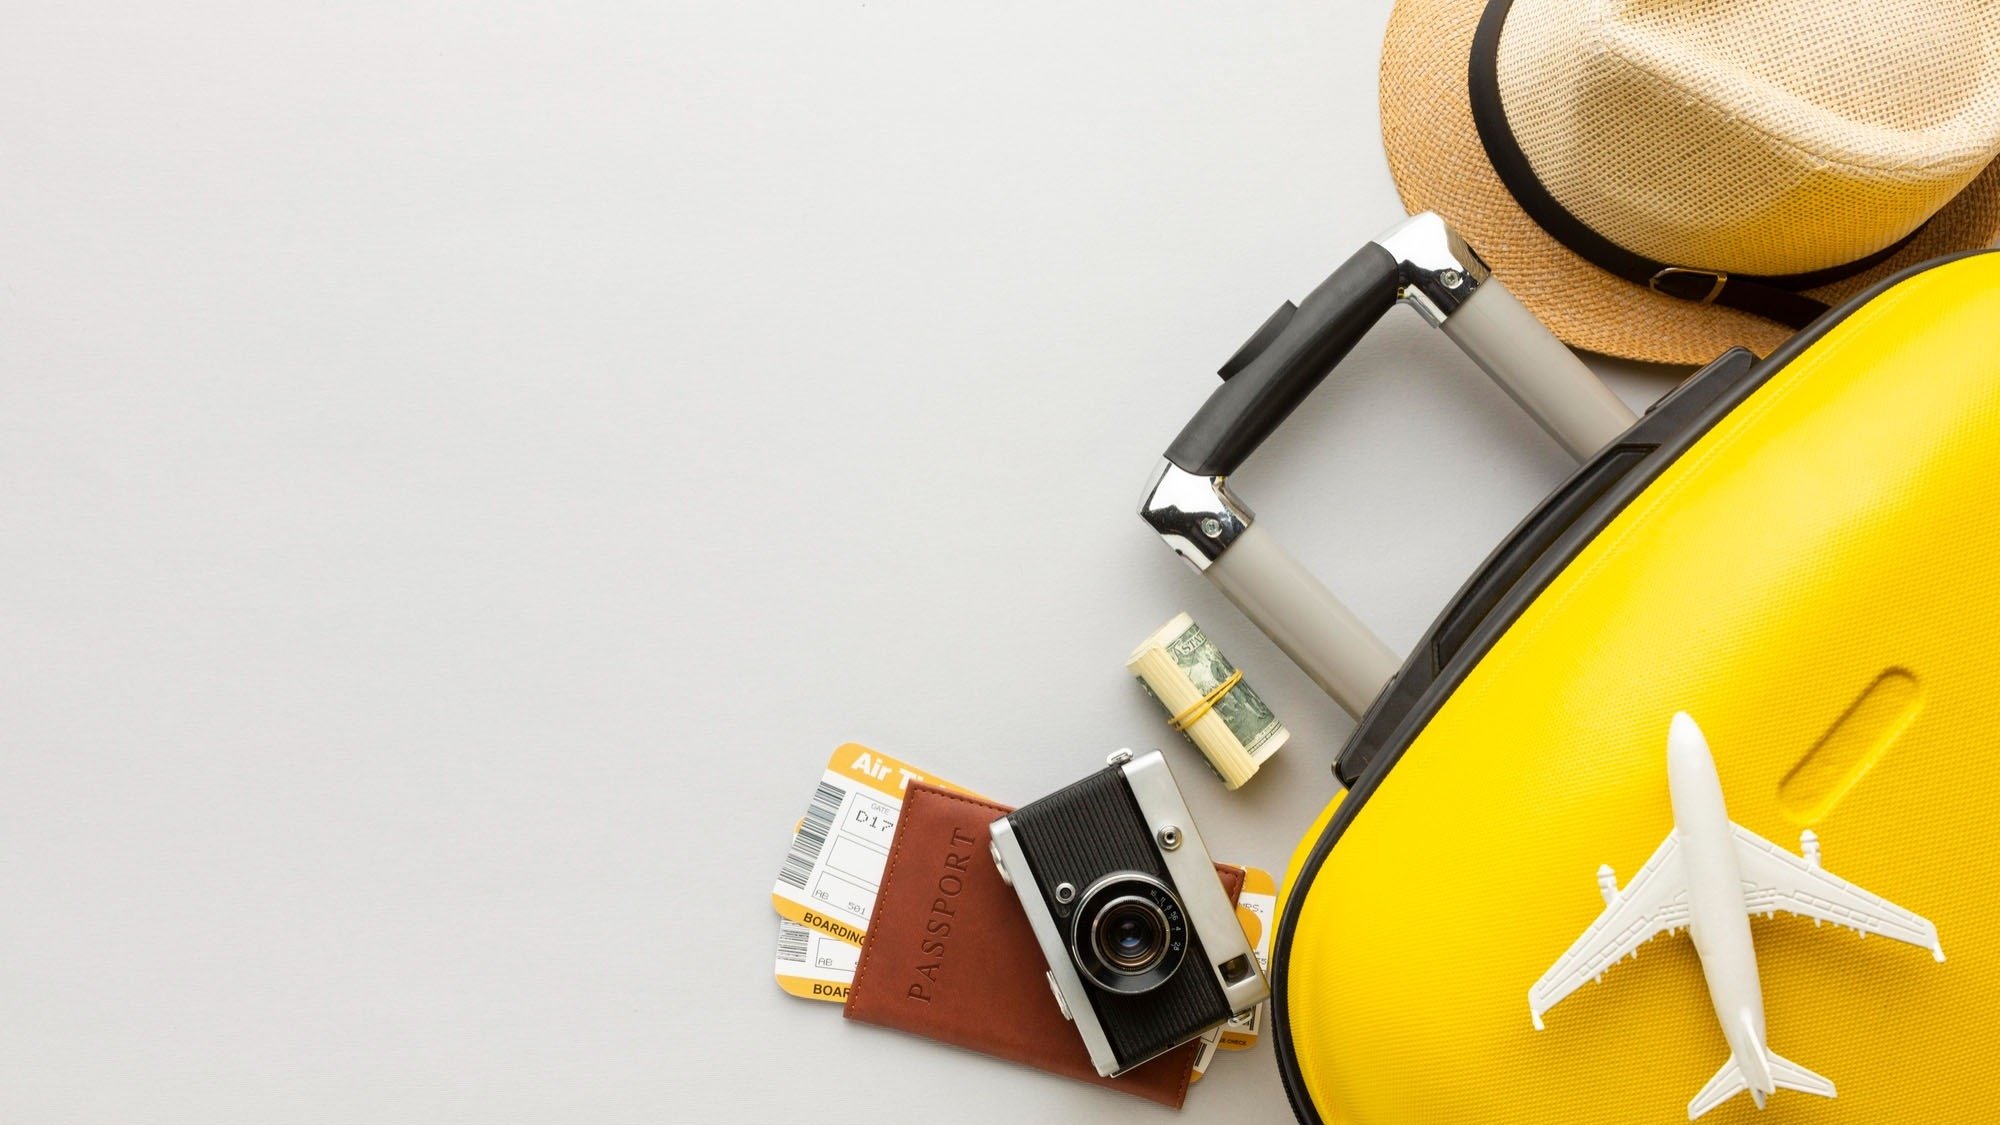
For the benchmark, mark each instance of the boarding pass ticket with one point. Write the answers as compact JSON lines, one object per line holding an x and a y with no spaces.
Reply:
{"x":834,"y":868}
{"x":813,"y":965}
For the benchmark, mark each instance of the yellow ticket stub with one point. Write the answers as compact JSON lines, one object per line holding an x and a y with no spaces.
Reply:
{"x":814,"y":966}
{"x":834,"y":867}
{"x":1206,"y":1055}
{"x":1257,"y":909}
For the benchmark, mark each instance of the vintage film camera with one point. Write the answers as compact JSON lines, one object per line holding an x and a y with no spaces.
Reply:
{"x":1144,"y":949}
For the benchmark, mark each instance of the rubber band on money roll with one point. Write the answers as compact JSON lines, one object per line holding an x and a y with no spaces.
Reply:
{"x":1206,"y":703}
{"x":1207,"y":699}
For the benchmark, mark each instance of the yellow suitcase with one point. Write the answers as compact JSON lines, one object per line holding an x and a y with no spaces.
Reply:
{"x":1802,"y":552}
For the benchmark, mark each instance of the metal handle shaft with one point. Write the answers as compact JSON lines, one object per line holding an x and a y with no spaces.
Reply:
{"x":1321,"y":635}
{"x":1534,"y":367}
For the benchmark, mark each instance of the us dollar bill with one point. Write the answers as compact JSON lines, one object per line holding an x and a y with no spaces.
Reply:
{"x":1180,"y":666}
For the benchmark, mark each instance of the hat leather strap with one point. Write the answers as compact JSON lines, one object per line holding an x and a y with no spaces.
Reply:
{"x":1773,"y":297}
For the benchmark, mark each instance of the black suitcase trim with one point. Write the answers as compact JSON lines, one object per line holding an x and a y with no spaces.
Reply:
{"x":1503,"y":586}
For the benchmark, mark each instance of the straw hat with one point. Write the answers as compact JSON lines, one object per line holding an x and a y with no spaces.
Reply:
{"x":1699,"y":174}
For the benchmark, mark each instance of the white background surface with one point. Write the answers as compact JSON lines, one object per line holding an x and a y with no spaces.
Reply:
{"x":462,"y":468}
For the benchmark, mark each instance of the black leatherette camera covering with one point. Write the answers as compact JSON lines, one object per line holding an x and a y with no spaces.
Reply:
{"x":1079,"y":834}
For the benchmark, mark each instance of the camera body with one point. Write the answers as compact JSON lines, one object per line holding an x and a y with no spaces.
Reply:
{"x":1143,"y":945}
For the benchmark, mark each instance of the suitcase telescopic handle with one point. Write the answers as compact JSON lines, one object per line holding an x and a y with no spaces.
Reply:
{"x":1420,"y":262}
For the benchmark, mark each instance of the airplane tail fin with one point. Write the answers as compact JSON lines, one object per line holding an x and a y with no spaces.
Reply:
{"x":1757,"y":1068}
{"x":1727,"y":1083}
{"x":1730,"y":1081}
{"x":1788,"y":1075}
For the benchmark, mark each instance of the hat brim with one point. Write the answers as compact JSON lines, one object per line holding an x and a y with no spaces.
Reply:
{"x":1439,"y":165}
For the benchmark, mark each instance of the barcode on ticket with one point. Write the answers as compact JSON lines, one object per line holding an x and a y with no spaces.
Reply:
{"x":811,"y":837}
{"x":813,"y":966}
{"x":833,"y":867}
{"x":793,"y":941}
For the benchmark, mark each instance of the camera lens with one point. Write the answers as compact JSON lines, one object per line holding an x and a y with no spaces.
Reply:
{"x":1129,"y":933}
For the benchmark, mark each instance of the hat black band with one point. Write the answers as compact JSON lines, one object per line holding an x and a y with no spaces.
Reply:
{"x":1775,"y":298}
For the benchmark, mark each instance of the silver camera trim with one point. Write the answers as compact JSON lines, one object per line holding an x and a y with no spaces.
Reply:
{"x":1192,"y":869}
{"x":1191,"y":872}
{"x":1062,"y":971}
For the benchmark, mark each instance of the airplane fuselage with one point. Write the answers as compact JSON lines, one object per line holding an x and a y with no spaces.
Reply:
{"x":1707,"y":877}
{"x":1717,"y":919}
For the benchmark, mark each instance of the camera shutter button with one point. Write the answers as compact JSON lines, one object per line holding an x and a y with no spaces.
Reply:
{"x":1057,"y":992}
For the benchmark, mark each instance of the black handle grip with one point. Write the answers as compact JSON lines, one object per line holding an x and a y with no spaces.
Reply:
{"x":1264,"y":390}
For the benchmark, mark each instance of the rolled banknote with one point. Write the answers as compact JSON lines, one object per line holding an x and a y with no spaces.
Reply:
{"x":1207,"y":700}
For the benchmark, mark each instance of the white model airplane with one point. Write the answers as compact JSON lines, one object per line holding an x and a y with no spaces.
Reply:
{"x":1710,"y":875}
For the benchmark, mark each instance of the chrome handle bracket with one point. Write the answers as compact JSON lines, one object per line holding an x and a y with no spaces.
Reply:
{"x":1196,"y":515}
{"x":1436,"y":272}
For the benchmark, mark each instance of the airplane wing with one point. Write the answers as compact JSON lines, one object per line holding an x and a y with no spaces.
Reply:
{"x":1775,"y":879}
{"x":1654,"y":902}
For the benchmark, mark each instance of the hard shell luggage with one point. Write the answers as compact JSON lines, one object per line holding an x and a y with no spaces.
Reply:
{"x":1802,"y":553}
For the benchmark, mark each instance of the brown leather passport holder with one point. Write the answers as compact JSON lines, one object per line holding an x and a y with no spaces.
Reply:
{"x":949,"y":954}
